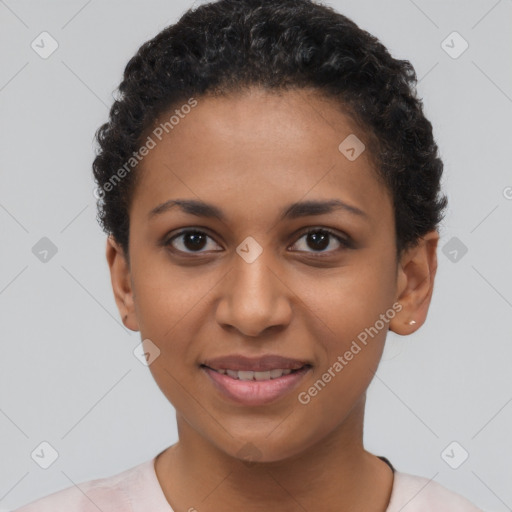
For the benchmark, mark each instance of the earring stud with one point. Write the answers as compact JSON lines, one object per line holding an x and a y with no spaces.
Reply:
{"x":412,"y":322}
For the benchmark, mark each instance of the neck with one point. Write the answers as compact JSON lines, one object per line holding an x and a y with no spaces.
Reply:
{"x":337,"y":473}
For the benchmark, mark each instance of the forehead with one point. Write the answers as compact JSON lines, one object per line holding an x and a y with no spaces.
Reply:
{"x":257,"y":149}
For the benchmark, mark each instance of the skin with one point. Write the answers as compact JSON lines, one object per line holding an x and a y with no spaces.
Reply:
{"x":252,"y":154}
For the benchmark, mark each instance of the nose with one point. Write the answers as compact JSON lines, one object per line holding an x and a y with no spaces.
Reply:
{"x":254,"y":298}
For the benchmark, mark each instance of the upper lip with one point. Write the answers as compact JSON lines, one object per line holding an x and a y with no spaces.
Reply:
{"x":255,"y":364}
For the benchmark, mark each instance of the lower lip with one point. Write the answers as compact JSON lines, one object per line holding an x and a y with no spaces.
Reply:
{"x":255,"y":392}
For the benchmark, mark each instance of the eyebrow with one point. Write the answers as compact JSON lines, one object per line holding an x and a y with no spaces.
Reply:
{"x":292,"y":211}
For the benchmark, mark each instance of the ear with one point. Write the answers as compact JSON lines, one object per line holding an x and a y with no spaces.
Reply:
{"x":415,"y":284}
{"x":121,"y":283}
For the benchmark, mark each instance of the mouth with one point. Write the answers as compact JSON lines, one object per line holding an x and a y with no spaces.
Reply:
{"x":249,"y":375}
{"x":255,"y":382}
{"x":267,"y":362}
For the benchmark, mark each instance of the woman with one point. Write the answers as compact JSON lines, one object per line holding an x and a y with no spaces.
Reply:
{"x":270,"y":188}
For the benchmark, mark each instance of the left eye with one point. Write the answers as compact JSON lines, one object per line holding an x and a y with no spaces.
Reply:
{"x":320,"y":239}
{"x":317,"y":238}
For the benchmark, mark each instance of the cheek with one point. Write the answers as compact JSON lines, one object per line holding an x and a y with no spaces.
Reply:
{"x":349,"y":301}
{"x":354,"y":309}
{"x":167,"y":308}
{"x":165,"y":296}
{"x":353,"y":334}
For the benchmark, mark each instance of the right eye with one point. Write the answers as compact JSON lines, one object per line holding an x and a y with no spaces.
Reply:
{"x":192,"y":239}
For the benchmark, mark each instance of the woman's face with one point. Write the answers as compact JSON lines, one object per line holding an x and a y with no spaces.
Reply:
{"x":254,"y":283}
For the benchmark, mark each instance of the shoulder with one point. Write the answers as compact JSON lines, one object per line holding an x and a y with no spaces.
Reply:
{"x":108,"y":493}
{"x":412,"y":493}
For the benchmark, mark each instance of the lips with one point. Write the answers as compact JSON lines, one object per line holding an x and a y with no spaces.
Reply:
{"x":240,"y":363}
{"x":244,"y":391}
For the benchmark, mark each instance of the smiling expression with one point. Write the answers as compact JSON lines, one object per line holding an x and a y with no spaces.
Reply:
{"x":251,"y":235}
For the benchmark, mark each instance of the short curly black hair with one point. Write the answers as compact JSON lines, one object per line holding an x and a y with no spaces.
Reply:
{"x":227,"y":46}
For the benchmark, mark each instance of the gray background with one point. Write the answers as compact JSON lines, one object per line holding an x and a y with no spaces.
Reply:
{"x":68,"y":375}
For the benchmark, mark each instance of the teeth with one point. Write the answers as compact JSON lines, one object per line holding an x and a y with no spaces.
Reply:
{"x":261,"y":375}
{"x":247,"y":375}
{"x":274,"y":374}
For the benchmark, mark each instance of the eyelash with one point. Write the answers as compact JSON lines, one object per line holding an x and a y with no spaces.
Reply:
{"x":345,"y":243}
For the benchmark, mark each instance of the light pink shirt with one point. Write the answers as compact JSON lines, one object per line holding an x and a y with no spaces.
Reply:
{"x":137,"y":490}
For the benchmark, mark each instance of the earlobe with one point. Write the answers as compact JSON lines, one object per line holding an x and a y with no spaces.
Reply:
{"x":415,"y":284}
{"x":121,"y":283}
